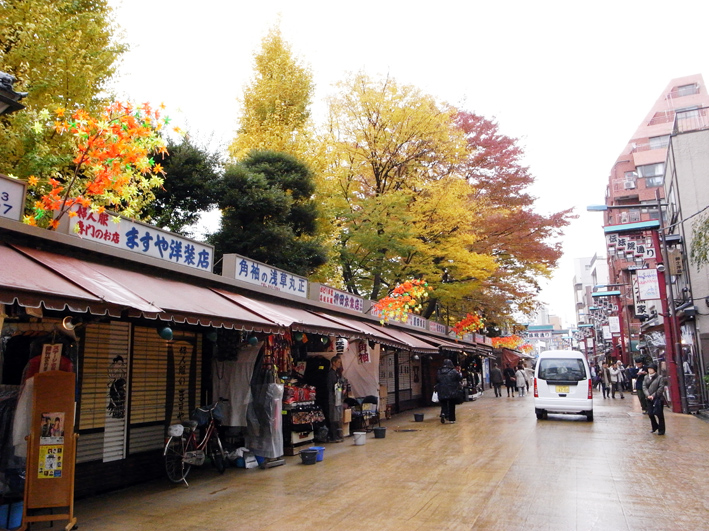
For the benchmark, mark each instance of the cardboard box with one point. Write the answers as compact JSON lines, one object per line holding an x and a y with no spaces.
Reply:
{"x":383,"y":391}
{"x":302,"y":436}
{"x":347,"y":416}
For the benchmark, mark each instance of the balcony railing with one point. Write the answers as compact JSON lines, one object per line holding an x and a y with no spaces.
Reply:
{"x":691,"y":120}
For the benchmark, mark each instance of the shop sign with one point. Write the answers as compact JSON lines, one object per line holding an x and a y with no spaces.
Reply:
{"x":648,"y":286}
{"x":439,"y":328}
{"x":339,"y":299}
{"x":140,"y":238}
{"x":12,"y":198}
{"x":614,"y":324}
{"x":674,"y":257}
{"x":416,"y":321}
{"x":260,"y":274}
{"x":607,"y":333}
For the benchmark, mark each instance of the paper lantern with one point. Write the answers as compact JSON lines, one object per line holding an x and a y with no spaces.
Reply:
{"x":165,"y":332}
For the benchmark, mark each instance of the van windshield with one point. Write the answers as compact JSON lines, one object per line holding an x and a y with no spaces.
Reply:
{"x":562,"y":369}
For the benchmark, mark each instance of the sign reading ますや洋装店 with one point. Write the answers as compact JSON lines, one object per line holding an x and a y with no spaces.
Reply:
{"x":260,"y":274}
{"x":140,"y":238}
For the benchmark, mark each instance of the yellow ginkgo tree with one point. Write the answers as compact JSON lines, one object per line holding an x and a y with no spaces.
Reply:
{"x":112,"y":166}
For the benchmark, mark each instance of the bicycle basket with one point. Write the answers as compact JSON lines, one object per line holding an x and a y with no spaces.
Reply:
{"x":201,"y":417}
{"x":218,"y":413}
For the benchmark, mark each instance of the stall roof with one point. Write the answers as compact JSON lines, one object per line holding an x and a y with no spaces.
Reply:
{"x":99,"y":285}
{"x":295,"y":318}
{"x":442,"y":342}
{"x":31,"y":284}
{"x":413,"y":343}
{"x":365,"y":328}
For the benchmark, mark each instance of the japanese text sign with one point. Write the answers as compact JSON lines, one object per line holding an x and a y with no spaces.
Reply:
{"x":259,"y":274}
{"x":140,"y":238}
{"x":339,"y":299}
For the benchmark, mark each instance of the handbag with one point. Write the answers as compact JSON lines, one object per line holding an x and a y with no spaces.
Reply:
{"x":656,"y":406}
{"x":434,"y":398}
{"x":459,"y":396}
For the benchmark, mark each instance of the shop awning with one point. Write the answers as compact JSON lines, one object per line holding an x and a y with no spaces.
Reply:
{"x":366,"y":329}
{"x":59,"y":281}
{"x":82,"y":274}
{"x":30,"y":284}
{"x":296,"y":318}
{"x":413,"y":343}
{"x":445,"y":344}
{"x":183,"y":302}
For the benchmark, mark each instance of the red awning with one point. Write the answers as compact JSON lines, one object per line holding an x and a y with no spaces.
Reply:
{"x":413,"y":344}
{"x":296,"y":318}
{"x":32,"y":277}
{"x":445,"y":344}
{"x":30,"y":284}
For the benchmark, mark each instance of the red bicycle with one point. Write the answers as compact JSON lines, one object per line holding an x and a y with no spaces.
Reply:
{"x":184,"y":447}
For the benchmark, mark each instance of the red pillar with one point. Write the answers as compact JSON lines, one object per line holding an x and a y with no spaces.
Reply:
{"x":670,"y":355}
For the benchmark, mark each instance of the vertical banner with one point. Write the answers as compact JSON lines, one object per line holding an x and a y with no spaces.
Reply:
{"x":648,"y":286}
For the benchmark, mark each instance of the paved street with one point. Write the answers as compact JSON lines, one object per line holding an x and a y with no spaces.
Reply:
{"x":496,"y":468}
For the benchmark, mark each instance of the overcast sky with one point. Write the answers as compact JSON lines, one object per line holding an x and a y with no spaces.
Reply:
{"x":571,"y":80}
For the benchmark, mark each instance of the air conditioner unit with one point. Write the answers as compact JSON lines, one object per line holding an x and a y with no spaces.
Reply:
{"x":628,"y":185}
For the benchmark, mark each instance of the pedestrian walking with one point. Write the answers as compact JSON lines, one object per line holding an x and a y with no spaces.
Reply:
{"x":638,"y":374}
{"x":509,"y":374}
{"x":520,"y":380}
{"x":448,"y":387}
{"x":654,"y":388}
{"x":605,"y":380}
{"x":496,"y":379}
{"x":616,"y":380}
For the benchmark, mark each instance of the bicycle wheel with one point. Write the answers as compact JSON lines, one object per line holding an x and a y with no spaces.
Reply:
{"x":175,"y":465}
{"x":216,"y":453}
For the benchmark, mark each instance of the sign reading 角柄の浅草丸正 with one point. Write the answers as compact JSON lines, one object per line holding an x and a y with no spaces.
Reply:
{"x":140,"y":238}
{"x":260,"y":274}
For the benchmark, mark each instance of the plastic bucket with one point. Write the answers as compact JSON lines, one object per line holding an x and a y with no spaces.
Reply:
{"x":320,"y":450}
{"x":380,"y":432}
{"x":360,"y":437}
{"x":418,"y":417}
{"x":309,"y":457}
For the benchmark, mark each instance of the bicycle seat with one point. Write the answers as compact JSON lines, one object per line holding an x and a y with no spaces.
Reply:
{"x":192,"y":424}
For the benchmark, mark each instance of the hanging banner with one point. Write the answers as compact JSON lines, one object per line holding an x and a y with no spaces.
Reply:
{"x":648,"y":286}
{"x":641,"y":309}
{"x":607,"y":333}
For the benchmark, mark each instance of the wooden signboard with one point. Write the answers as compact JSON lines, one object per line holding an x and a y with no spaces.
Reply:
{"x":51,"y":450}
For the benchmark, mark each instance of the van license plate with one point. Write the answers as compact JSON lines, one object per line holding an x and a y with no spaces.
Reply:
{"x":562,"y":388}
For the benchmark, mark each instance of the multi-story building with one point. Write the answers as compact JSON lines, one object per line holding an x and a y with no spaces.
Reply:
{"x":590,"y":272}
{"x":687,"y":190}
{"x":634,"y":227}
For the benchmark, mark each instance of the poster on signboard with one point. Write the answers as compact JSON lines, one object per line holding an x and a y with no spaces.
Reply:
{"x":50,"y":461}
{"x":52,"y":429}
{"x":648,"y":286}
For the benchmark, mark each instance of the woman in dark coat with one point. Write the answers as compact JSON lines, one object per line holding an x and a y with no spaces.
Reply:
{"x":448,"y":387}
{"x":654,"y":387}
{"x":509,"y":374}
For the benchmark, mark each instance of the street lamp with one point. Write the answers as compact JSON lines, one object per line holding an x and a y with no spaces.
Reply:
{"x":9,"y":99}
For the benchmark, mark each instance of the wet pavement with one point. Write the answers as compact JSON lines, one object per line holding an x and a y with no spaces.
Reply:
{"x":498,"y":467}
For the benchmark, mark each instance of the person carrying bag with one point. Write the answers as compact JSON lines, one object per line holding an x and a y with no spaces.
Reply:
{"x":654,"y":388}
{"x":448,"y":388}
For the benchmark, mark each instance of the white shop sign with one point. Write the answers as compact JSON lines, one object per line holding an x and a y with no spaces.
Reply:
{"x":139,"y":238}
{"x":260,"y":274}
{"x":12,"y":197}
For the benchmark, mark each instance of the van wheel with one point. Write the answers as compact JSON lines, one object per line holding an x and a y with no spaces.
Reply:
{"x":541,"y":414}
{"x":589,"y":416}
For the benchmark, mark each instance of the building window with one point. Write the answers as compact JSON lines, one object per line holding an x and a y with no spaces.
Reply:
{"x":659,"y":142}
{"x":688,"y":90}
{"x":634,"y":216}
{"x":688,"y":112}
{"x":652,"y":173}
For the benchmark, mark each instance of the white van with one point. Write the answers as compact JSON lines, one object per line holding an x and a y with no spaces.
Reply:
{"x":563,"y":384}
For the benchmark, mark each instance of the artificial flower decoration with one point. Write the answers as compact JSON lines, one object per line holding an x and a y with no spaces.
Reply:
{"x":112,"y":164}
{"x":510,"y":342}
{"x":404,"y":299}
{"x":468,"y":324}
{"x":527,"y":348}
